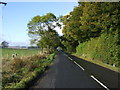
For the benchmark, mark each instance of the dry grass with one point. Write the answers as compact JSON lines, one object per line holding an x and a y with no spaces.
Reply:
{"x":19,"y":66}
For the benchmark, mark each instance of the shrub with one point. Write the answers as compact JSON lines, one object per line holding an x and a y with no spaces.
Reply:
{"x":104,"y":48}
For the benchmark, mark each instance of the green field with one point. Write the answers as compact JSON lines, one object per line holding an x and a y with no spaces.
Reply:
{"x":7,"y":52}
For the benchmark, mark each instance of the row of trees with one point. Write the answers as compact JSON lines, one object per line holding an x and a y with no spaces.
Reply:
{"x":90,"y":20}
{"x":87,"y":20}
{"x":91,"y":30}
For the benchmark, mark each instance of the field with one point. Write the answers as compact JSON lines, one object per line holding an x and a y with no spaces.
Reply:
{"x":7,"y":52}
{"x":18,"y":71}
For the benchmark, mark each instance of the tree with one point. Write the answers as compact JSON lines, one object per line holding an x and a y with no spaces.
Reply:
{"x":42,"y":31}
{"x":4,"y":44}
{"x":96,"y":20}
{"x":72,"y":24}
{"x":50,"y":40}
{"x":71,"y":30}
{"x":90,"y":20}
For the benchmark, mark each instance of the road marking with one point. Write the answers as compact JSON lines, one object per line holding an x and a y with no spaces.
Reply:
{"x":65,"y":54}
{"x":99,"y":82}
{"x":91,"y":75}
{"x":79,"y":65}
{"x":76,"y":63}
{"x":70,"y":58}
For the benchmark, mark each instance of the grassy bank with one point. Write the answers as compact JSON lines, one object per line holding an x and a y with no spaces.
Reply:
{"x":103,"y":50}
{"x":117,"y":69}
{"x":20,"y":71}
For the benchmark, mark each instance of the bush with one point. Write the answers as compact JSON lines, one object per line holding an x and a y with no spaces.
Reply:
{"x":104,"y":48}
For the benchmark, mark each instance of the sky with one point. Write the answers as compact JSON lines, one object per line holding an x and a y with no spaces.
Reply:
{"x":16,"y":15}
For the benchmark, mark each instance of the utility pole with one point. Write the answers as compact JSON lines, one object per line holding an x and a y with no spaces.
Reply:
{"x":1,"y":17}
{"x":1,"y":14}
{"x":3,"y":3}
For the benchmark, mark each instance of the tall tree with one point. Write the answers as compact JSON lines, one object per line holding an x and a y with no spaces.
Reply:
{"x":90,"y":19}
{"x":71,"y":30}
{"x":72,"y":23}
{"x":50,"y":40}
{"x":99,"y":17}
{"x":41,"y":30}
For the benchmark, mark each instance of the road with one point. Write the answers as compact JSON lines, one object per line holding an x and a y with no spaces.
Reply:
{"x":63,"y":73}
{"x":107,"y":77}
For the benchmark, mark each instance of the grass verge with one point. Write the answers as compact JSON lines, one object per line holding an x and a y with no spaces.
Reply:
{"x":117,"y":69}
{"x":23,"y":73}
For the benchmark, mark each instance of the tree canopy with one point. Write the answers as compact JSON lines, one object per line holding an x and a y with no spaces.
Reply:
{"x":90,"y":20}
{"x":42,"y":31}
{"x":4,"y":44}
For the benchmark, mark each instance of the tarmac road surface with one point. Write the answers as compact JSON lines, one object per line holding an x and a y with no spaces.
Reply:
{"x":63,"y":73}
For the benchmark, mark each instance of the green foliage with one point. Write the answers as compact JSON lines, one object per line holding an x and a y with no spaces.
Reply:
{"x":71,"y":29}
{"x":90,"y":20}
{"x":104,"y":48}
{"x":69,"y":46}
{"x":42,"y":31}
{"x":50,"y":40}
{"x":95,"y":27}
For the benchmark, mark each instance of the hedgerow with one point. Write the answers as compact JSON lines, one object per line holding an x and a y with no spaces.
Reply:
{"x":104,"y":48}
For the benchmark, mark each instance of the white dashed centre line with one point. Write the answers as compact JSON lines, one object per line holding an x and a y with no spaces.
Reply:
{"x":99,"y":82}
{"x":79,"y":65}
{"x":75,"y":63}
{"x":70,"y":58}
{"x":91,"y":75}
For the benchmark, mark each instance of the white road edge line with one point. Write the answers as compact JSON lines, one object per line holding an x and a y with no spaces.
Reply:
{"x":79,"y":65}
{"x":99,"y":82}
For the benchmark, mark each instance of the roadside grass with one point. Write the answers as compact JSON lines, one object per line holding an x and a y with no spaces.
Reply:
{"x":117,"y":69}
{"x":18,"y":72}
